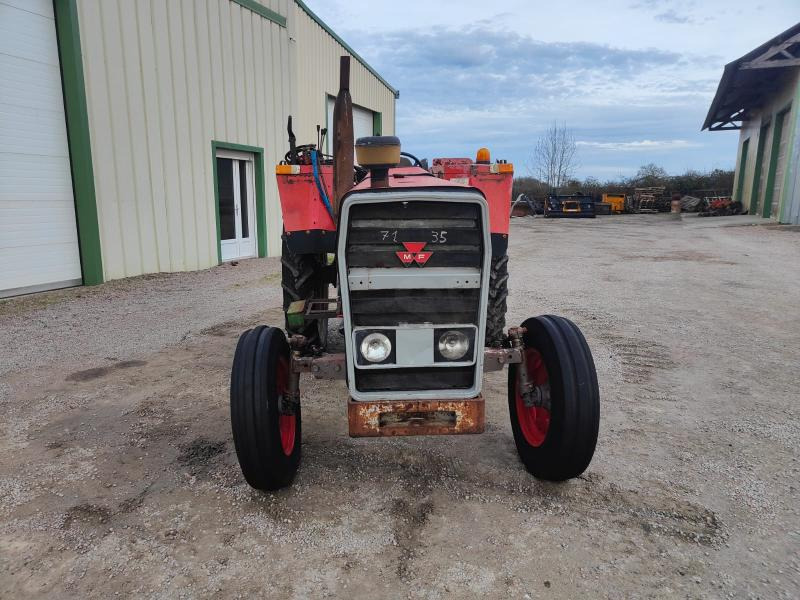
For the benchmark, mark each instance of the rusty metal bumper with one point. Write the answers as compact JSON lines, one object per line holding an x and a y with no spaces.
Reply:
{"x":416,"y":417}
{"x":408,"y":417}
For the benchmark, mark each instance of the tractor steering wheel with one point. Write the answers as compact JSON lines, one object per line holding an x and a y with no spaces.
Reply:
{"x":417,"y":162}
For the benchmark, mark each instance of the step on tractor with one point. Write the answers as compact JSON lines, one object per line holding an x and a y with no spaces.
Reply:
{"x":417,"y":256}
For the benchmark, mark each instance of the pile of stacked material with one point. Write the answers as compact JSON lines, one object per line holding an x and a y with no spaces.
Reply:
{"x":691,"y":204}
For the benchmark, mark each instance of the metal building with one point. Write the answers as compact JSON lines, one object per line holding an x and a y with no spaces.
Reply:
{"x":140,"y":136}
{"x":759,"y":94}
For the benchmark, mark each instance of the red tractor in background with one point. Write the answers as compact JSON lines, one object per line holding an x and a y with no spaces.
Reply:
{"x":419,"y":259}
{"x":720,"y":206}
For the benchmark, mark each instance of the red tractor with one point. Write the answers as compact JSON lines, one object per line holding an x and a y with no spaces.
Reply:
{"x":419,"y":260}
{"x":720,"y":206}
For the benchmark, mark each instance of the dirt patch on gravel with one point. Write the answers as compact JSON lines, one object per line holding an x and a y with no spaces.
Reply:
{"x":682,"y":256}
{"x":118,"y":475}
{"x":639,"y":359}
{"x":97,"y":372}
{"x":198,"y":453}
{"x":86,"y":515}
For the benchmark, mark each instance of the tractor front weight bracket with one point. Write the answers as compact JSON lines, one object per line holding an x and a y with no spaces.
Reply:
{"x":334,"y":366}
{"x":494,"y":359}
{"x":327,"y":366}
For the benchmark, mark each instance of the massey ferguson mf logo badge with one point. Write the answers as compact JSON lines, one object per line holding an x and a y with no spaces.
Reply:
{"x":413,"y":254}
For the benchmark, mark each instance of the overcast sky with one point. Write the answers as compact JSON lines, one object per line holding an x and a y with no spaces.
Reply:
{"x":632,"y":78}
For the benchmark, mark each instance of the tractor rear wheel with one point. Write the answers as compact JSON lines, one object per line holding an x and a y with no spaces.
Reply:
{"x":556,"y":442}
{"x":303,"y":277}
{"x":498,"y":294}
{"x":266,"y":427}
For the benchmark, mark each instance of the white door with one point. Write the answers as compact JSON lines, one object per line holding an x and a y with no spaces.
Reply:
{"x":362,"y":123}
{"x":237,"y":213}
{"x":38,"y":234}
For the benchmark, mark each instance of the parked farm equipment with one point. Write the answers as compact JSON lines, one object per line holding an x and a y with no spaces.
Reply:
{"x":420,"y":261}
{"x":602,"y":208}
{"x":648,"y":200}
{"x":524,"y":205}
{"x":720,"y":206}
{"x":691,"y":204}
{"x":616,"y":202}
{"x":569,"y":205}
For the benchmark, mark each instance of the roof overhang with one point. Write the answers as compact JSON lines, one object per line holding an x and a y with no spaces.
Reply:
{"x":750,"y":80}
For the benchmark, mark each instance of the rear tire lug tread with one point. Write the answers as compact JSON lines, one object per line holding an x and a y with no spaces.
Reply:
{"x":497,"y":302}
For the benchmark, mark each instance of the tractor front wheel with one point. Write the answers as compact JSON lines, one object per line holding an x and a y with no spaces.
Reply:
{"x":266,"y":425}
{"x":555,"y":437}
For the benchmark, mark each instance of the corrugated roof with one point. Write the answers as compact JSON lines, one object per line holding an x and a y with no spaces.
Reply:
{"x":748,"y":81}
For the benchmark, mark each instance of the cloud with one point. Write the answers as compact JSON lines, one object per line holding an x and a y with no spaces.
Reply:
{"x":647,"y":4}
{"x":472,"y":86}
{"x":670,"y":16}
{"x":639,"y":146}
{"x":483,"y":68}
{"x":675,"y":12}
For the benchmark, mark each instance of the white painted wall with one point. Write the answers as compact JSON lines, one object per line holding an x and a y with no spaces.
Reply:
{"x":163,"y":80}
{"x":317,"y":55}
{"x":38,"y":235}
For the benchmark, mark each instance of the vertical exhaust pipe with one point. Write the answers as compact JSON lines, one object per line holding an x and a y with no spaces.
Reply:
{"x":343,"y":142}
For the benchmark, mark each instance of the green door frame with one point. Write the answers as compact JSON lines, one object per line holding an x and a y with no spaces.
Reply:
{"x":762,"y":142}
{"x":742,"y":167}
{"x":777,"y":134}
{"x":76,"y":115}
{"x":261,"y":210}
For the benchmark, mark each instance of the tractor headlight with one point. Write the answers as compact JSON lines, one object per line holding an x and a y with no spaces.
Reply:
{"x":376,"y":347}
{"x":453,"y":344}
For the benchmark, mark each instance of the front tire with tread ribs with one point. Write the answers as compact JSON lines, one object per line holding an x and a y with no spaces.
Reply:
{"x":267,"y":441}
{"x":497,"y":306}
{"x":557,"y":444}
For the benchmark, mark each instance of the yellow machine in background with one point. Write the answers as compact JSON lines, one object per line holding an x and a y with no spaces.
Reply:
{"x":617,"y":202}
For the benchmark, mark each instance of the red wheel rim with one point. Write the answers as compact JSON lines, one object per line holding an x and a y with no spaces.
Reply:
{"x":287,"y":424}
{"x":533,"y":421}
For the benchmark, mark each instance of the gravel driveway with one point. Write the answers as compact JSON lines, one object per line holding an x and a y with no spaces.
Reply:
{"x":118,"y":474}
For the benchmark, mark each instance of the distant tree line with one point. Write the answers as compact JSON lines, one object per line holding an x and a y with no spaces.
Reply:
{"x":650,"y":175}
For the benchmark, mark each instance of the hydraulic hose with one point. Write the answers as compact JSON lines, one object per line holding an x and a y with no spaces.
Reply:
{"x":320,"y":187}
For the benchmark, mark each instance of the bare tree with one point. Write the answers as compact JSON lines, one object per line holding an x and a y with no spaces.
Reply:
{"x":554,"y":157}
{"x":650,"y":175}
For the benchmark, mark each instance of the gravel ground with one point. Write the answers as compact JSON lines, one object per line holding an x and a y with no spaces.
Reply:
{"x":118,"y":475}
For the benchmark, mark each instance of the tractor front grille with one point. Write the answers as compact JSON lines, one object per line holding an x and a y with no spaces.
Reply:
{"x":413,"y":380}
{"x":376,"y":232}
{"x":453,"y":233}
{"x":392,"y":307}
